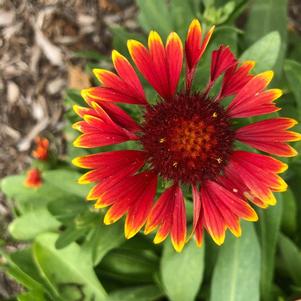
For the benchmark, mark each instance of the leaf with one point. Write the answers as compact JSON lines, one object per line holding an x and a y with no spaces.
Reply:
{"x":34,"y":295}
{"x":66,"y":180}
{"x":22,"y":268}
{"x":66,"y":270}
{"x":66,"y":209}
{"x":292,"y":258}
{"x":121,"y":36}
{"x":265,"y":17}
{"x":69,"y":235}
{"x":28,"y":199}
{"x":136,"y":266}
{"x":269,"y":227}
{"x":182,"y":273}
{"x":237,"y":272}
{"x":141,"y":293}
{"x":32,"y":223}
{"x":57,"y":184}
{"x":154,"y":14}
{"x":101,"y":240}
{"x":182,"y":13}
{"x":292,"y":71}
{"x":289,"y":214}
{"x":264,"y":52}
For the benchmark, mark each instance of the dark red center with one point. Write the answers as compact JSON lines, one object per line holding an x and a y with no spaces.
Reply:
{"x":188,"y":138}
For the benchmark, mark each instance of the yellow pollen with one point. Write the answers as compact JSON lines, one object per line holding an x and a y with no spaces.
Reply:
{"x":175,"y":164}
{"x":214,"y":115}
{"x":219,"y":160}
{"x":162,"y":140}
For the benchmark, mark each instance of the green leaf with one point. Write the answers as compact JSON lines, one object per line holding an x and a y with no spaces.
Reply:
{"x":269,"y":226}
{"x":264,"y":52}
{"x":90,"y":54}
{"x":66,"y":270}
{"x":237,"y":272}
{"x":154,"y":14}
{"x":136,"y":266}
{"x":66,"y":180}
{"x":121,"y":36}
{"x":57,"y":184}
{"x":65,"y":210}
{"x":28,"y":199}
{"x":141,"y":293}
{"x":32,"y":223}
{"x":182,"y":273}
{"x":292,"y":71}
{"x":71,"y":234}
{"x":289,"y":214}
{"x":292,"y":258}
{"x":34,"y":295}
{"x":182,"y":13}
{"x":22,"y":268}
{"x":265,"y":17}
{"x":102,"y":239}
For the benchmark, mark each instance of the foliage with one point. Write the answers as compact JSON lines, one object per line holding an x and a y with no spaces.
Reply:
{"x":69,"y":254}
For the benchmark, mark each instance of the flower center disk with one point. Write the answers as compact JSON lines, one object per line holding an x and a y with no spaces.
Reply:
{"x":188,"y":138}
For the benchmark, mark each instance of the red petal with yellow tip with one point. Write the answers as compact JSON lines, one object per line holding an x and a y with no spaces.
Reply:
{"x":169,"y":215}
{"x":137,"y":214}
{"x":174,"y":54}
{"x":251,"y":100}
{"x":222,"y":60}
{"x":223,"y":209}
{"x":160,"y":66}
{"x":128,"y":74}
{"x":110,"y":164}
{"x":259,"y":173}
{"x":270,"y":136}
{"x":100,"y":94}
{"x":145,"y":65}
{"x":213,"y":221}
{"x":135,"y":200}
{"x":194,"y":47}
{"x":159,"y":63}
{"x":235,"y":78}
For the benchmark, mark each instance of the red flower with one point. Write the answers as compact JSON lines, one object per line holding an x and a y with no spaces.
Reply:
{"x":33,"y":178}
{"x":42,"y":148}
{"x":186,"y":138}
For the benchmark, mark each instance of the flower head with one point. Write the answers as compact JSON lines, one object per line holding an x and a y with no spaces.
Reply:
{"x":188,"y":138}
{"x":33,"y":178}
{"x":42,"y":149}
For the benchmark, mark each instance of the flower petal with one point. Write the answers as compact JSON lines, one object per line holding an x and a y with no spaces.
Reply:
{"x":213,"y":221}
{"x":109,"y":164}
{"x":128,"y":74}
{"x":251,"y":100}
{"x":100,"y":94}
{"x":259,"y":174}
{"x":222,"y":60}
{"x":236,"y":78}
{"x":170,"y":216}
{"x":138,"y":188}
{"x":194,"y":47}
{"x":270,"y":136}
{"x":174,"y":54}
{"x":161,"y":66}
{"x":137,"y":214}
